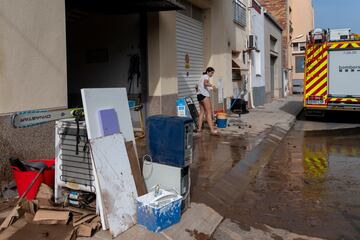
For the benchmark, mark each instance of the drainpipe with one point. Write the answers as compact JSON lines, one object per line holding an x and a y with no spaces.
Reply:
{"x":251,"y":97}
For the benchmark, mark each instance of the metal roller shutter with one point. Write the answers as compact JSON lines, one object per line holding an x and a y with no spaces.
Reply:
{"x":189,"y":40}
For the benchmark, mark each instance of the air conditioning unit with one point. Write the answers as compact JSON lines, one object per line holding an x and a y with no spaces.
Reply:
{"x":252,"y":42}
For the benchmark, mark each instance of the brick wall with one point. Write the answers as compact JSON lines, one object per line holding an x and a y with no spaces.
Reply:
{"x":279,"y":9}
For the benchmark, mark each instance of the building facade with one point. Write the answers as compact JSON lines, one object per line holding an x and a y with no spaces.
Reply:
{"x":281,"y":11}
{"x":156,"y":50}
{"x":275,"y":85}
{"x":302,"y":19}
{"x":257,"y":54}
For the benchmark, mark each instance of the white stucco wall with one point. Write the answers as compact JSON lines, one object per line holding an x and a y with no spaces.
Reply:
{"x":257,"y":29}
{"x":32,"y":55}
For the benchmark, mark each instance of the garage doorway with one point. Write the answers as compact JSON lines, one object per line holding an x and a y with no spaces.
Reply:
{"x":105,"y":49}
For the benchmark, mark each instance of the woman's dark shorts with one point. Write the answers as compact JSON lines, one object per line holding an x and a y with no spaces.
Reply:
{"x":200,"y":97}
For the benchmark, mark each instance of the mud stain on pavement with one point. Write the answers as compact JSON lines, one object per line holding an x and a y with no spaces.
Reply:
{"x":310,"y":186}
{"x":39,"y":232}
{"x":214,"y":157}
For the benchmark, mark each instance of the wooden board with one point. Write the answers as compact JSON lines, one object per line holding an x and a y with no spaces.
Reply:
{"x":95,"y":99}
{"x":135,"y":168}
{"x":117,"y":185}
{"x":198,"y":218}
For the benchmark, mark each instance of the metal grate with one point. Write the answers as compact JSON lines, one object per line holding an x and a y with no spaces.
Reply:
{"x":74,"y":155}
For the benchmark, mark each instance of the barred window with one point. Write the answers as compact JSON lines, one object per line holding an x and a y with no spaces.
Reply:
{"x":239,"y":13}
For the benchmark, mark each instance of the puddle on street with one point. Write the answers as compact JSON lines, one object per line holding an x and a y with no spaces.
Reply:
{"x":214,"y":156}
{"x":310,"y":186}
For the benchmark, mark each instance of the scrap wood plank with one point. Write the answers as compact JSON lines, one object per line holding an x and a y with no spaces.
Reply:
{"x":117,"y":185}
{"x":135,"y":168}
{"x":199,"y":218}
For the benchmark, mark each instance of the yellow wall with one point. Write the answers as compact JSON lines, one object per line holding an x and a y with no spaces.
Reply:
{"x":222,"y":36}
{"x":303,"y":22}
{"x":32,"y":55}
{"x":162,"y":53}
{"x":302,"y":18}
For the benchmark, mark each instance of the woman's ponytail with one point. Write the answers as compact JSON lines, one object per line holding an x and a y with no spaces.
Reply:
{"x":209,"y":69}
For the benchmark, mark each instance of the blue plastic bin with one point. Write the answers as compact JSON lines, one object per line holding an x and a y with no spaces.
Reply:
{"x":158,"y":213}
{"x":221,"y":123}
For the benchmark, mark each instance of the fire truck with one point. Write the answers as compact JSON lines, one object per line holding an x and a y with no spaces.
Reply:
{"x":332,"y":71}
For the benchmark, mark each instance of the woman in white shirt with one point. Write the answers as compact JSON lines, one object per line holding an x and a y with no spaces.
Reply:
{"x":203,"y":96}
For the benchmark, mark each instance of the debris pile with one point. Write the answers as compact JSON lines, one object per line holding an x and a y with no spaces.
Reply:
{"x":83,"y":222}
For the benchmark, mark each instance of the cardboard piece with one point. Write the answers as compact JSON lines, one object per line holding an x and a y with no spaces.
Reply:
{"x":135,"y":169}
{"x":199,"y":217}
{"x":83,"y":219}
{"x":117,"y":185}
{"x":95,"y":223}
{"x":51,"y":217}
{"x":84,"y":230}
{"x":14,"y":213}
{"x":44,"y":192}
{"x":44,"y":195}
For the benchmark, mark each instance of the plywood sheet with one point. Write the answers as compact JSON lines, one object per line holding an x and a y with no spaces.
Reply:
{"x":116,"y":182}
{"x":199,"y":219}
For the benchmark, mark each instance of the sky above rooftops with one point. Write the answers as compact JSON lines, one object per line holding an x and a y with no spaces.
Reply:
{"x":337,"y":14}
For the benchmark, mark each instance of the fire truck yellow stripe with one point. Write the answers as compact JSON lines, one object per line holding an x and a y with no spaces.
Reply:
{"x":332,"y":46}
{"x":309,"y":85}
{"x":324,"y":55}
{"x":316,"y":88}
{"x":320,"y":93}
{"x":310,"y":75}
{"x":345,"y":45}
{"x":355,"y":45}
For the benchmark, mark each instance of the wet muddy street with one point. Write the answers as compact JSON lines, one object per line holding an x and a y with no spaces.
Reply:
{"x":214,"y":157}
{"x":310,"y":185}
